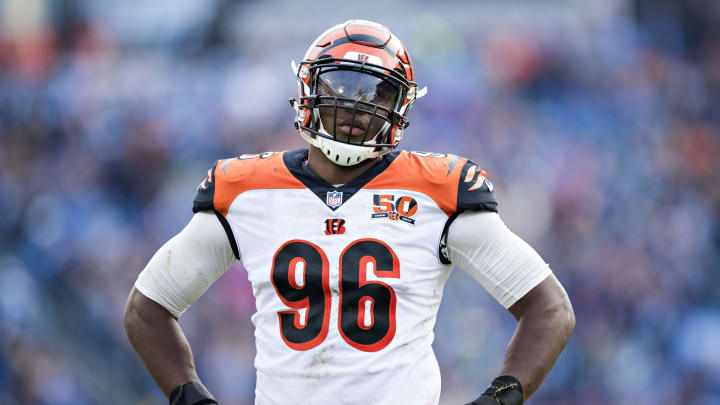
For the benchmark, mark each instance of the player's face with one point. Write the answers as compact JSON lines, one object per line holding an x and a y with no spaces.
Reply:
{"x":364,"y":89}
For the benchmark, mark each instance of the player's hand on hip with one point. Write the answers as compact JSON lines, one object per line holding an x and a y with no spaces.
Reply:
{"x":192,"y":393}
{"x":504,"y":390}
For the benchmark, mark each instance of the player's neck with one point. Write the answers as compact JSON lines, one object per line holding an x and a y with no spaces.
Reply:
{"x":332,"y":173}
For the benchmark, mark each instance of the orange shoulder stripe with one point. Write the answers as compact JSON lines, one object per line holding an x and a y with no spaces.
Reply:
{"x":236,"y":176}
{"x":438,"y":178}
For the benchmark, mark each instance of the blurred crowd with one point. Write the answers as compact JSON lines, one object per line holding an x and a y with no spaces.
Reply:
{"x":601,"y":135}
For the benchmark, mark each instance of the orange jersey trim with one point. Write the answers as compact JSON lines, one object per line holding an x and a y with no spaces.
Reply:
{"x":236,"y":176}
{"x":438,"y":178}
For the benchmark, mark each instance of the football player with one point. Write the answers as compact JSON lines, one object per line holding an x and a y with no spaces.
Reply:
{"x":348,"y":245}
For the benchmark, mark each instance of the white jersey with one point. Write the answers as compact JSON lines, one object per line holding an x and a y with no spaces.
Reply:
{"x":348,"y":279}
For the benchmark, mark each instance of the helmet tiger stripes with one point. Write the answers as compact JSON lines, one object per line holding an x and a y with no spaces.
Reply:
{"x":358,"y":78}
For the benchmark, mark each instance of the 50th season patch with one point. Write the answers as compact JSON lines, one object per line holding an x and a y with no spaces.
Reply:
{"x":387,"y":206}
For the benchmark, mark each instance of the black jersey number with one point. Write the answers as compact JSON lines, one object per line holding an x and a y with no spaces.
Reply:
{"x":299,"y":259}
{"x":367,"y":307}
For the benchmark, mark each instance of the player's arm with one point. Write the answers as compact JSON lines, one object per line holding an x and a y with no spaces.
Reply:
{"x":156,"y":336}
{"x":177,"y":275}
{"x":481,"y":244}
{"x":545,"y":322}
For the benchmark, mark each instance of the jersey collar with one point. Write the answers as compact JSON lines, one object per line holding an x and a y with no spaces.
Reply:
{"x":295,"y":162}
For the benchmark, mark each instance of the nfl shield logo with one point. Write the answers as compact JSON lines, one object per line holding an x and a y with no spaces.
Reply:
{"x":334,"y":199}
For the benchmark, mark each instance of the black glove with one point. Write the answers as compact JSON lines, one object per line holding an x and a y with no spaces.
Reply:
{"x":192,"y":393}
{"x":504,"y":390}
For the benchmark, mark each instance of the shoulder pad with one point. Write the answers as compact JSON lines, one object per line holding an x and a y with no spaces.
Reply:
{"x":433,"y":174}
{"x":455,"y":183}
{"x":205,"y":192}
{"x":229,"y":178}
{"x":475,"y":191}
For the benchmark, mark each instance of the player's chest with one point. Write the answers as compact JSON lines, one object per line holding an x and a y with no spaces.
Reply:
{"x":409,"y":224}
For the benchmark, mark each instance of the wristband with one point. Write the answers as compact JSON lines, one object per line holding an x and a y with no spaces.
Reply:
{"x":504,"y":390}
{"x":192,"y":393}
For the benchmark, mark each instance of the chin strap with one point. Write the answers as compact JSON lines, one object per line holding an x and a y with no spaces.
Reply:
{"x":329,"y":146}
{"x":341,"y":153}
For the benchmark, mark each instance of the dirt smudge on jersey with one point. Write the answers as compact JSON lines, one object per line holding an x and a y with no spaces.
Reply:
{"x":321,"y":358}
{"x":315,"y":370}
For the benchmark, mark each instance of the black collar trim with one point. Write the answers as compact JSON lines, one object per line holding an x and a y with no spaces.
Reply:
{"x":295,"y":162}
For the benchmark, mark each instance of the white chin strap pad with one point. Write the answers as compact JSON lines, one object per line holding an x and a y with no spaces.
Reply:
{"x":342,"y":151}
{"x":343,"y":154}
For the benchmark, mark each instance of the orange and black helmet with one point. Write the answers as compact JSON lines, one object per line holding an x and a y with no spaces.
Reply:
{"x":377,"y":58}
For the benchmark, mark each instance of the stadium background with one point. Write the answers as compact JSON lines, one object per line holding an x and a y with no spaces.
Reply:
{"x":598,"y":122}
